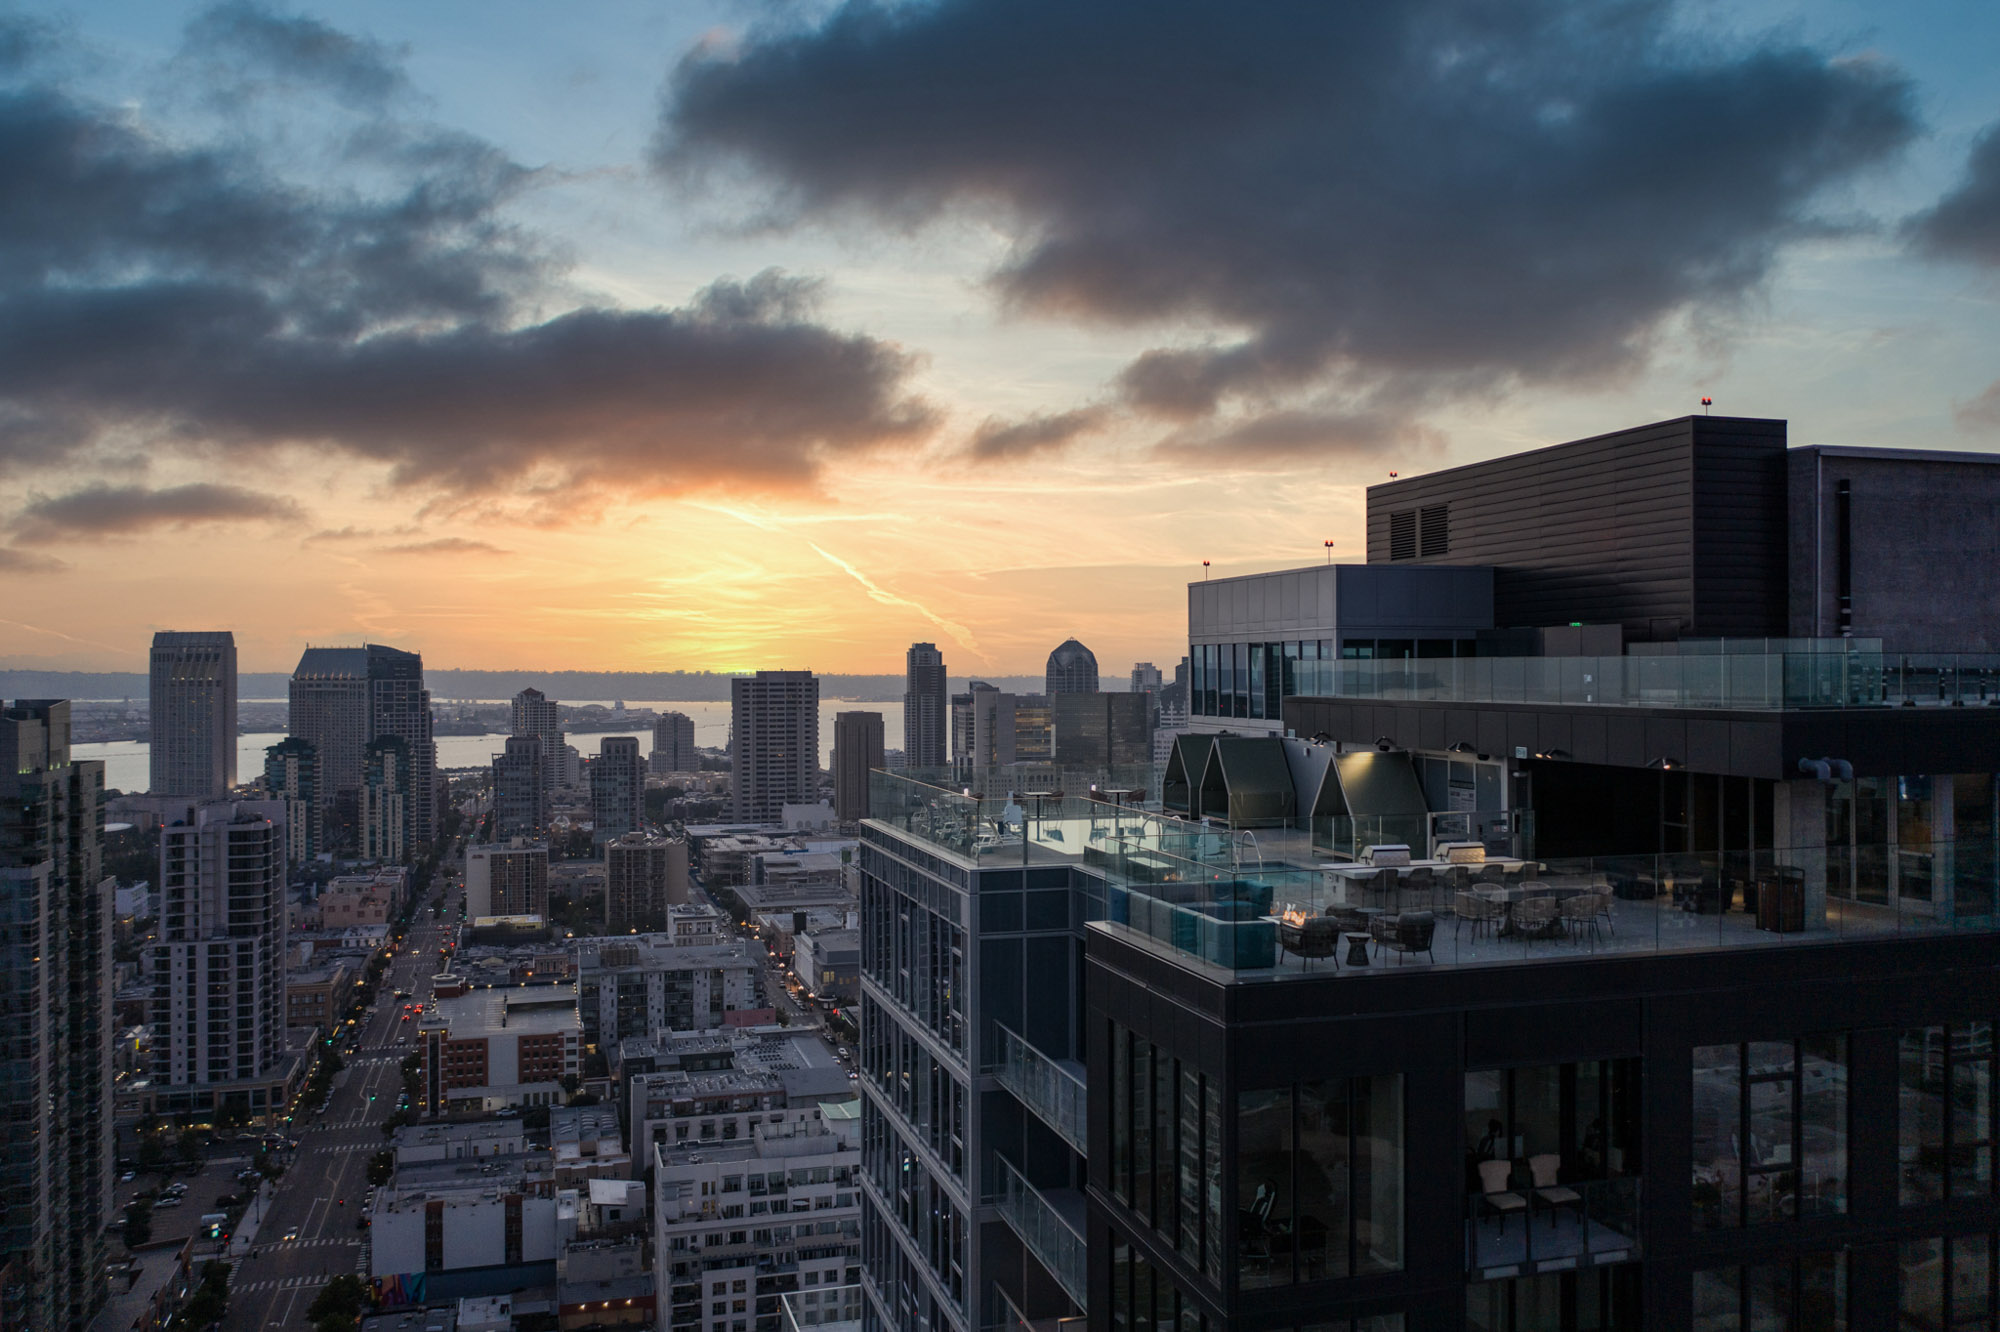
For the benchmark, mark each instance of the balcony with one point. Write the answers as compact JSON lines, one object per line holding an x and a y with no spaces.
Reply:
{"x":829,"y":1309}
{"x":1051,"y":1224}
{"x":1594,"y":1223}
{"x":1701,"y":675}
{"x":1053,"y":1089}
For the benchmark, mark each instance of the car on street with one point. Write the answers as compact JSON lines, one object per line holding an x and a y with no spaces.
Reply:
{"x":291,"y":1234}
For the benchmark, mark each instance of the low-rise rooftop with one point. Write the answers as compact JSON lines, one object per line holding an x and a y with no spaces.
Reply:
{"x":516,"y":1009}
{"x":431,"y":1181}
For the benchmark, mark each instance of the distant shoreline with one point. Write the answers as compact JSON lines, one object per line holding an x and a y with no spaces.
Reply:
{"x":454,"y":685}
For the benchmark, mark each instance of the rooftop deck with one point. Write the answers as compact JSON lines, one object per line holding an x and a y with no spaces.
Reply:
{"x":1266,"y":905}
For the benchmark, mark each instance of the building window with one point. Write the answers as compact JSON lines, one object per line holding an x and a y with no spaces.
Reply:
{"x":1948,"y":1282}
{"x":1319,"y":1181}
{"x":1403,"y":535}
{"x":1944,"y":1135}
{"x":1570,"y":1129}
{"x":1770,"y":1131}
{"x":1596,"y":1299}
{"x":1809,"y":1292}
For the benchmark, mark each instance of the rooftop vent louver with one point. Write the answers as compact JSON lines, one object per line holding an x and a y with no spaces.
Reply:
{"x":1434,"y":527}
{"x":1403,"y":535}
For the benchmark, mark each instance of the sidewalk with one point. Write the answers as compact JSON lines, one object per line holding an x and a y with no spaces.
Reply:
{"x":246,"y":1230}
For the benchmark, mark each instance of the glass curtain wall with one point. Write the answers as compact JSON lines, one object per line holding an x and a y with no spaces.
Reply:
{"x":1166,"y":1148}
{"x":1944,"y":1131}
{"x":1319,"y":1181}
{"x":1770,"y":1131}
{"x":1599,"y":1299}
{"x":1586,"y":1114}
{"x":1807,"y":1294}
{"x":1948,"y":1282}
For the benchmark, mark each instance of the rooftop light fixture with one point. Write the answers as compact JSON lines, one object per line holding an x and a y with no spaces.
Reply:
{"x":1384,"y":743}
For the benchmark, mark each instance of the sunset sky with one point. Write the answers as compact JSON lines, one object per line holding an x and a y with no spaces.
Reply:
{"x":723,"y":336}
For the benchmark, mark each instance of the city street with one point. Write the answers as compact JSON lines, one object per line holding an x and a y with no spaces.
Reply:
{"x":319,"y":1196}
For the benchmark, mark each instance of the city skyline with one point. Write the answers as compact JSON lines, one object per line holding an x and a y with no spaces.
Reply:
{"x":1085,"y":442}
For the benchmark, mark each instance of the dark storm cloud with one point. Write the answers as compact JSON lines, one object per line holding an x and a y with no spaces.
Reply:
{"x":188,"y":296}
{"x":1447,"y":192}
{"x":257,"y":45}
{"x":997,"y":439}
{"x":1965,"y":224}
{"x":106,"y":510}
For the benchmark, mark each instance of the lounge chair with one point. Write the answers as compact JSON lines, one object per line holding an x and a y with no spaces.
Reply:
{"x":1412,"y":934}
{"x":1549,"y":1192}
{"x":1480,"y":912}
{"x":1499,"y":1199}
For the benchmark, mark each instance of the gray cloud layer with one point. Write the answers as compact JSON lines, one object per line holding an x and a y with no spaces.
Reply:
{"x":106,"y":510}
{"x":1437,"y":196}
{"x":997,"y":439}
{"x":188,"y":296}
{"x":1965,"y":224}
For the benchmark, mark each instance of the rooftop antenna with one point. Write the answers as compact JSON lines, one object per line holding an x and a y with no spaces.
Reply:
{"x":1707,"y":403}
{"x":1204,"y":571}
{"x":1329,"y":552}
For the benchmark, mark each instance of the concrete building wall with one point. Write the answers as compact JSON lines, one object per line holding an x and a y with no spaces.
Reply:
{"x":1920,"y":545}
{"x":774,"y":726}
{"x":193,"y":713}
{"x":857,"y":749}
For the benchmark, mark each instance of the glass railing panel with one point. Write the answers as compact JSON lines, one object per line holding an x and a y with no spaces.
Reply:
{"x":1042,"y":1228}
{"x":1044,"y":1086}
{"x":829,"y":1309}
{"x":1736,"y":678}
{"x":1534,"y":908}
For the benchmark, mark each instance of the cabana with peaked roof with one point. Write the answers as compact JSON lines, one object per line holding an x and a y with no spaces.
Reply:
{"x":1247,"y":783}
{"x":1183,"y":773}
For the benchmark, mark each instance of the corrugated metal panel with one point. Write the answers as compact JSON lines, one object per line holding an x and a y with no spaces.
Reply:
{"x":1681,"y":522}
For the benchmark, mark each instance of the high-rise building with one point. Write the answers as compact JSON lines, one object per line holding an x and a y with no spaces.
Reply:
{"x":538,"y":715}
{"x":329,"y":710}
{"x":1011,"y":728}
{"x":1072,"y":670}
{"x":55,"y":1042}
{"x":857,"y":750}
{"x":617,"y":789}
{"x":509,"y":880}
{"x":926,"y":708}
{"x":673,"y":744}
{"x":774,"y":731}
{"x":193,"y":687}
{"x":342,"y":698}
{"x":1103,"y":730}
{"x":520,"y":799}
{"x":964,"y":724}
{"x":643,"y":876}
{"x":291,"y":774}
{"x":1146,"y":677}
{"x":400,"y":706}
{"x":385,"y":800}
{"x":217,"y":1011}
